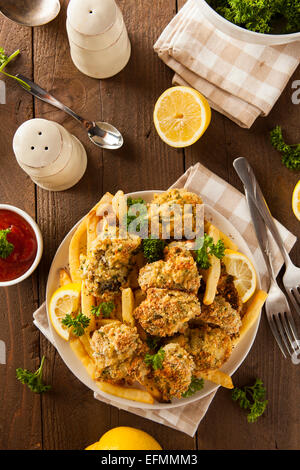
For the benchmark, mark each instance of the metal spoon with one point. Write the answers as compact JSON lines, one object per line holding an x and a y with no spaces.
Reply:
{"x":30,"y":12}
{"x":102,"y":134}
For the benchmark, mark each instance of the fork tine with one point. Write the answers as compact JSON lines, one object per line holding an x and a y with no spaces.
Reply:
{"x":281,"y":331}
{"x":288,"y":327}
{"x":295,"y":299}
{"x":276,"y":335}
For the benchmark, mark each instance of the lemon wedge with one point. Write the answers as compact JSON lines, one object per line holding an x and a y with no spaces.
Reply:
{"x":64,"y":300}
{"x":240,"y":267}
{"x":181,"y":116}
{"x":296,"y":200}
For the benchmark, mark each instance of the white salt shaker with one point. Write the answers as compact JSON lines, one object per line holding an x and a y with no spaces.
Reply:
{"x":53,"y":158}
{"x":99,"y":43}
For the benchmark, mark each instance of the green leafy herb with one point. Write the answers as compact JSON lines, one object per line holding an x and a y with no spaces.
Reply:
{"x":6,"y":248}
{"x":4,"y":60}
{"x":251,"y":398}
{"x":78,"y":323}
{"x":262,"y":16}
{"x":33,"y":379}
{"x":153,"y":342}
{"x":153,"y":249}
{"x":105,"y":308}
{"x":290,"y":153}
{"x":208,"y":247}
{"x":195,"y":386}
{"x":142,"y":213}
{"x":155,"y":360}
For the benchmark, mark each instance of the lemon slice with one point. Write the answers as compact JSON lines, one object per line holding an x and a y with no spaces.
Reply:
{"x":64,"y":300}
{"x":240,"y":267}
{"x":181,"y":116}
{"x":296,"y":200}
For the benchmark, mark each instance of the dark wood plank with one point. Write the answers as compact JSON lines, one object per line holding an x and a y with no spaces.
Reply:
{"x":20,"y":425}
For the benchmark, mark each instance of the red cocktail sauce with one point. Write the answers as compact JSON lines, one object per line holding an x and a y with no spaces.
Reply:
{"x":24,"y":240}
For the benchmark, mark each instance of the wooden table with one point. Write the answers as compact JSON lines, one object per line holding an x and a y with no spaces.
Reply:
{"x":68,"y":417}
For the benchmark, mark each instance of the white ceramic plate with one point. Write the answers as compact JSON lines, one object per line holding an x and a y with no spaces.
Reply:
{"x":73,"y":363}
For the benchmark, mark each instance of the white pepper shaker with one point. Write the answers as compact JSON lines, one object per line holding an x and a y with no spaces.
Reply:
{"x":53,"y":158}
{"x":99,"y":43}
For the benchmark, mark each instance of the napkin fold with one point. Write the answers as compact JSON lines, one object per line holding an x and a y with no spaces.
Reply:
{"x":239,"y":79}
{"x":232,"y":204}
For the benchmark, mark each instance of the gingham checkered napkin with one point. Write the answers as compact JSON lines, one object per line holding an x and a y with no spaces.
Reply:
{"x":232,"y":204}
{"x":240,"y":80}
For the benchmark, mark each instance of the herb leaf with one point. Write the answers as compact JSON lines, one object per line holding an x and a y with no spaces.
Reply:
{"x":142,"y":213}
{"x":78,"y":323}
{"x":6,"y":248}
{"x":105,"y":308}
{"x":33,"y":379}
{"x":208,"y":247}
{"x":153,"y":249}
{"x":155,"y":360}
{"x":153,"y":342}
{"x":290,"y":153}
{"x":195,"y":386}
{"x":251,"y":398}
{"x":4,"y":60}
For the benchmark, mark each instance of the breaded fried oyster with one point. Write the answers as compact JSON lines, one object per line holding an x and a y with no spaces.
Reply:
{"x":209,"y":347}
{"x":108,"y":264}
{"x":220,"y":313}
{"x":166,"y":312}
{"x":118,"y":352}
{"x":178,"y":272}
{"x":175,"y":376}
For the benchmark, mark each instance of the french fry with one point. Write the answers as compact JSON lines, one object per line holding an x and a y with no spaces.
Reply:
{"x":91,"y":227}
{"x":106,"y":321}
{"x":252,"y":313}
{"x":128,"y":393}
{"x":64,"y":277}
{"x":213,"y":272}
{"x":87,"y":302}
{"x":82,"y":355}
{"x":225,"y":239}
{"x":217,"y":377}
{"x":119,"y":205}
{"x":128,"y":306}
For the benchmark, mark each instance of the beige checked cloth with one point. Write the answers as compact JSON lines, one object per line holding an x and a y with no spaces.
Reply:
{"x":232,"y":204}
{"x":239,"y":79}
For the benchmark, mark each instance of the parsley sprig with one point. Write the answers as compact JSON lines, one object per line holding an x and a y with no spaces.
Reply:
{"x":155,"y":360}
{"x":6,"y":248}
{"x":33,"y":380}
{"x":153,"y":249}
{"x":78,"y":324}
{"x":105,"y":308}
{"x":251,"y":398}
{"x":290,"y":154}
{"x":153,"y":342}
{"x":195,"y":386}
{"x":141,"y":213}
{"x":4,"y":60}
{"x":208,"y":247}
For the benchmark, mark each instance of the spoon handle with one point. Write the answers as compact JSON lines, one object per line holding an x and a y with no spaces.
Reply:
{"x":44,"y":95}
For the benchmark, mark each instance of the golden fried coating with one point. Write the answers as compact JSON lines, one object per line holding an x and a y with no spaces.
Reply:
{"x":220,"y":313}
{"x":118,"y":350}
{"x":108,"y":264}
{"x":209,"y":347}
{"x":226,"y":289}
{"x":166,"y":312}
{"x":178,"y":272}
{"x":176,"y":374}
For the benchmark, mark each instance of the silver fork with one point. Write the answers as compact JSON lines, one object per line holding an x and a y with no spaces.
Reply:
{"x":291,"y":278}
{"x":277,"y":308}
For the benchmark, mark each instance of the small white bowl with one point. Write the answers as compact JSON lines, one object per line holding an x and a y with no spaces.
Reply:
{"x":39,"y":239}
{"x":243,"y":34}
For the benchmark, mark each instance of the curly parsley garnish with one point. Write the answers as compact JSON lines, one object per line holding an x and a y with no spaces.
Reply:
{"x":6,"y":248}
{"x":141,"y":213}
{"x":78,"y":324}
{"x":208,"y":247}
{"x":251,"y":398}
{"x":155,"y":360}
{"x":33,"y":380}
{"x":153,"y":342}
{"x":290,"y":154}
{"x":105,"y":308}
{"x":153,"y":249}
{"x":195,"y":386}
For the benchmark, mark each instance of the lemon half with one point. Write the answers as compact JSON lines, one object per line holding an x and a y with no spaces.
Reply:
{"x":65,"y":300}
{"x":181,"y":116}
{"x":296,"y":200}
{"x":240,"y":267}
{"x":125,"y":438}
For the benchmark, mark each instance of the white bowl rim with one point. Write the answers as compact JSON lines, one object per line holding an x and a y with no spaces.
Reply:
{"x":39,"y":240}
{"x":116,"y":401}
{"x":255,"y":34}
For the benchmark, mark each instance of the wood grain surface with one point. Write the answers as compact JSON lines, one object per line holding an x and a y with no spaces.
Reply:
{"x":68,"y":417}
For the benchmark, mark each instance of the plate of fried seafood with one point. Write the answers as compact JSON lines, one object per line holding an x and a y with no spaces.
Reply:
{"x":153,"y":321}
